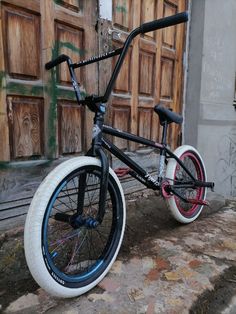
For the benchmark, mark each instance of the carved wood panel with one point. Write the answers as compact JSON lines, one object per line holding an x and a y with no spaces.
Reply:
{"x":145,"y":122}
{"x":124,"y":80}
{"x":74,"y":5}
{"x":122,"y":14}
{"x":169,"y":33}
{"x":70,"y":42}
{"x":71,"y":126}
{"x":21,"y":33}
{"x":148,"y":13}
{"x":121,"y":120}
{"x":146,"y":73}
{"x":26,"y":129}
{"x":167,"y":73}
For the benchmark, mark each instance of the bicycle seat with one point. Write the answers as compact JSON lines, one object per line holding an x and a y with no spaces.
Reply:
{"x":167,"y":115}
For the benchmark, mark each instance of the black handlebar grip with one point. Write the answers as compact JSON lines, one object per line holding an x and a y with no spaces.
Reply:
{"x":164,"y":22}
{"x":56,"y":61}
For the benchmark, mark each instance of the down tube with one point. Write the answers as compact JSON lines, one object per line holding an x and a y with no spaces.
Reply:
{"x":138,"y":172}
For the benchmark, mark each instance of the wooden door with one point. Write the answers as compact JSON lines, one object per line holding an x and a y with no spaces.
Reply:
{"x":152,"y":71}
{"x":38,"y":114}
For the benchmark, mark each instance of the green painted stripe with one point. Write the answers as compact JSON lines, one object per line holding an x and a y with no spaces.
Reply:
{"x":24,"y":89}
{"x":121,"y":8}
{"x":2,"y":77}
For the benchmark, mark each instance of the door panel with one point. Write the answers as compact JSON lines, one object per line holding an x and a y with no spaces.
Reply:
{"x":122,"y":14}
{"x":22,"y":43}
{"x":71,"y":122}
{"x":70,"y":42}
{"x":25,"y":128}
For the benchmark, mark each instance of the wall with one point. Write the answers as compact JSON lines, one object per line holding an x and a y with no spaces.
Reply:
{"x":210,"y":116}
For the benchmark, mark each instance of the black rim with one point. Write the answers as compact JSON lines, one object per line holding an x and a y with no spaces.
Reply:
{"x":75,"y":257}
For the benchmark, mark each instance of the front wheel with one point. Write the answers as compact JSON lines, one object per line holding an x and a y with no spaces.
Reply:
{"x":186,"y":212}
{"x":67,"y":251}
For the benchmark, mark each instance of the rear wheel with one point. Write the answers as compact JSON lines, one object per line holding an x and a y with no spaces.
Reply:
{"x":186,"y":212}
{"x":67,"y":253}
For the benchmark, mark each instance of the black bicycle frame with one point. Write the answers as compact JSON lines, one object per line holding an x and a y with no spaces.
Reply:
{"x":138,"y":172}
{"x":97,"y":105}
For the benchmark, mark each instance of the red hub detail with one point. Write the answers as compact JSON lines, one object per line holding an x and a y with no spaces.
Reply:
{"x":164,"y":189}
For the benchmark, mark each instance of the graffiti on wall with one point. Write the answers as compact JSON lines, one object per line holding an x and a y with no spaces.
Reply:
{"x":226,"y":165}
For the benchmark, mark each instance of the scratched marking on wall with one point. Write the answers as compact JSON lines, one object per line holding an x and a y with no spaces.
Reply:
{"x":226,"y":165}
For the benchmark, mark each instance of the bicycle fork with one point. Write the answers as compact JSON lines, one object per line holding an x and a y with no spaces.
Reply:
{"x":79,"y":218}
{"x":97,"y":151}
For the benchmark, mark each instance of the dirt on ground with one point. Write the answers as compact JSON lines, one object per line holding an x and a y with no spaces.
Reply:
{"x":147,"y":217}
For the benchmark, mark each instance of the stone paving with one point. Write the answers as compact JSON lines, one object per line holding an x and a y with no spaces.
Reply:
{"x":164,"y":273}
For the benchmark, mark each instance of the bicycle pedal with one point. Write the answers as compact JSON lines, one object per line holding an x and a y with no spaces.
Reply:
{"x":198,"y":202}
{"x":121,"y":172}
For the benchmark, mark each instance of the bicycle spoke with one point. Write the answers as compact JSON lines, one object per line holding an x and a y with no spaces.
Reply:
{"x":76,"y":249}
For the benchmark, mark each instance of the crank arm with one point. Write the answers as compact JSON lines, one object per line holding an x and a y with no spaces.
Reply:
{"x":190,"y":200}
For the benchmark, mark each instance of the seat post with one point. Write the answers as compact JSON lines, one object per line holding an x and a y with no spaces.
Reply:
{"x":162,"y":152}
{"x":164,"y":132}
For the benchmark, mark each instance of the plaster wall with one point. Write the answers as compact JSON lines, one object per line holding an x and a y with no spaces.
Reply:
{"x":210,"y":123}
{"x":105,"y":9}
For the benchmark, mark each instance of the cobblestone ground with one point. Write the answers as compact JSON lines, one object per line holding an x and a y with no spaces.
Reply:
{"x":163,"y":267}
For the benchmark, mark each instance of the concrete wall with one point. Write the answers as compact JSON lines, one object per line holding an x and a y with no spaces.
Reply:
{"x":210,"y":123}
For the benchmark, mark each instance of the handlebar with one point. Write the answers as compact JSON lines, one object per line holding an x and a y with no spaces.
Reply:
{"x":56,"y":61}
{"x":144,"y":28}
{"x":164,"y":22}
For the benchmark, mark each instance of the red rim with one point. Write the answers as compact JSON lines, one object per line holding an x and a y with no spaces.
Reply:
{"x":192,"y":209}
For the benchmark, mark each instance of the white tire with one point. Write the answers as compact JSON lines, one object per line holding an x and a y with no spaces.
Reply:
{"x":193,"y":210}
{"x":33,"y":229}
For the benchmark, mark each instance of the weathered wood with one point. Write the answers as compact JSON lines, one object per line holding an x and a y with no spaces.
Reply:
{"x":135,"y":74}
{"x":71,"y":122}
{"x":70,"y":42}
{"x":122,"y":14}
{"x":145,"y":72}
{"x":25,"y":115}
{"x":148,"y":13}
{"x":121,"y":119}
{"x":32,"y":5}
{"x":178,"y":87}
{"x":22,"y":38}
{"x":154,"y":72}
{"x":171,"y":65}
{"x":37,"y":31}
{"x":70,"y":4}
{"x":151,"y":71}
{"x":76,"y":37}
{"x":156,"y":130}
{"x":50,"y":101}
{"x":4,"y":131}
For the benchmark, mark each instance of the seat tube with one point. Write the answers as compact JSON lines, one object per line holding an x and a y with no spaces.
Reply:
{"x":97,"y":128}
{"x":161,"y":172}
